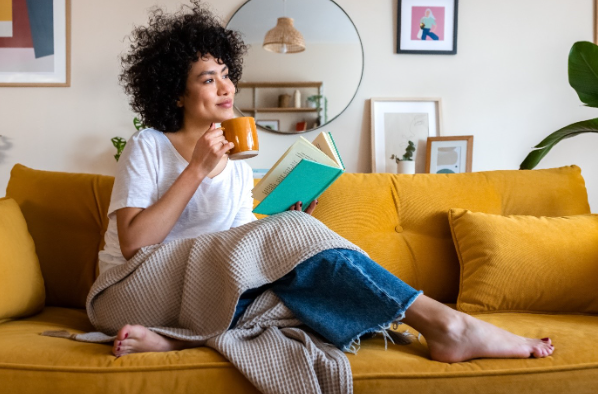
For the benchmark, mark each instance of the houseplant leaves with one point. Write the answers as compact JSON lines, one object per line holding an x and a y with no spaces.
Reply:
{"x":583,"y":72}
{"x":540,"y":150}
{"x":583,"y":77}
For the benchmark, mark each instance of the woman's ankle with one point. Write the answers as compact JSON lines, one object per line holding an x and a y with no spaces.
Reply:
{"x":427,"y":315}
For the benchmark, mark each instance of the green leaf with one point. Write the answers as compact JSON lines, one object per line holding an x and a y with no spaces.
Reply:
{"x":119,"y":143}
{"x":138,"y":124}
{"x":540,"y":150}
{"x":583,"y":71}
{"x":408,"y":156}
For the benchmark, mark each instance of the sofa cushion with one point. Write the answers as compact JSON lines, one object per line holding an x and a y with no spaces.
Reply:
{"x":30,"y":363}
{"x":401,"y":220}
{"x":66,"y":216}
{"x":21,"y":282}
{"x":526,"y":263}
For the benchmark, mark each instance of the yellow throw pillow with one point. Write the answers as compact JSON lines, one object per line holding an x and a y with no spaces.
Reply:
{"x":526,"y":263}
{"x":21,"y":283}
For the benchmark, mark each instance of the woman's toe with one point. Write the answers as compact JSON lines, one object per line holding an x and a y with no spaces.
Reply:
{"x":123,"y":333}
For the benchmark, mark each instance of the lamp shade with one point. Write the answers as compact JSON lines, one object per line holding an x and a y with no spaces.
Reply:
{"x":284,"y":38}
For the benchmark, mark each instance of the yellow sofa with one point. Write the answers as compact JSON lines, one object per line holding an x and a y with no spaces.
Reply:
{"x":400,"y":220}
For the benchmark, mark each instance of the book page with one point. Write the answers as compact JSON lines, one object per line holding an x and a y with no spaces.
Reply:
{"x":301,"y":149}
{"x":323,"y":142}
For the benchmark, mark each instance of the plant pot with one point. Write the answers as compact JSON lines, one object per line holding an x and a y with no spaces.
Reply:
{"x":406,"y":167}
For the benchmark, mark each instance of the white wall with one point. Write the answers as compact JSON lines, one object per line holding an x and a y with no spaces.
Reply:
{"x":507,"y":86}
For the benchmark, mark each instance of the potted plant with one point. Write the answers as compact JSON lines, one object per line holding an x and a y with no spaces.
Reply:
{"x":406,"y":164}
{"x":315,"y":101}
{"x":120,"y":143}
{"x":583,"y":77}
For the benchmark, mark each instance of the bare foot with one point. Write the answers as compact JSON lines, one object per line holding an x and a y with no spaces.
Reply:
{"x":454,"y":336}
{"x":138,"y":339}
{"x":466,"y":338}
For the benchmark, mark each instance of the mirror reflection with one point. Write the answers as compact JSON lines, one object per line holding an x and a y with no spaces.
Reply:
{"x":289,"y":89}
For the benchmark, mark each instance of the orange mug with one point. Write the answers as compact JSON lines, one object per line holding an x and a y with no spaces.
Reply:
{"x":241,"y":132}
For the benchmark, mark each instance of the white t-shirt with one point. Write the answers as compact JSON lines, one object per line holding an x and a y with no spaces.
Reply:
{"x":147,"y":168}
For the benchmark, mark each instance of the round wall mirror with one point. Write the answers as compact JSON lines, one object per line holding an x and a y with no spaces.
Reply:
{"x":294,"y":92}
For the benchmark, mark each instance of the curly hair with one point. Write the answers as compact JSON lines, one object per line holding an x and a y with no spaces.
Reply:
{"x":161,"y":54}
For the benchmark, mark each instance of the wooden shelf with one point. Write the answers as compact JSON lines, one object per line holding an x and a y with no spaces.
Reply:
{"x":261,"y":99}
{"x":274,"y":109}
{"x":280,"y":84}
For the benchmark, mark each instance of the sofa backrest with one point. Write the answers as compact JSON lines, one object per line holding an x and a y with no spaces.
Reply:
{"x":400,"y":220}
{"x":66,"y":216}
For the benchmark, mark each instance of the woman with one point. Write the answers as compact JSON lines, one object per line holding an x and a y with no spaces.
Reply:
{"x":428,"y":26}
{"x":175,"y":181}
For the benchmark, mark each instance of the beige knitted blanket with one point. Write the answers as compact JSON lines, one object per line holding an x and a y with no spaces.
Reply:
{"x":188,"y":289}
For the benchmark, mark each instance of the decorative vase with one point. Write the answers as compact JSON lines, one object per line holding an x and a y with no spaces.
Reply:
{"x":406,"y":167}
{"x":297,"y":98}
{"x":284,"y":101}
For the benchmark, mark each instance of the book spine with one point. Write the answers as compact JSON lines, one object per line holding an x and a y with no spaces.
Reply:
{"x":337,"y":152}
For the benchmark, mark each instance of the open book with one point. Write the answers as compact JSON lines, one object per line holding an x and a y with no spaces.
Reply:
{"x":303,"y":173}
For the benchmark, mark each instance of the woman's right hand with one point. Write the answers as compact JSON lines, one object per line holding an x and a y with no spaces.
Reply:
{"x":139,"y":227}
{"x":209,"y":149}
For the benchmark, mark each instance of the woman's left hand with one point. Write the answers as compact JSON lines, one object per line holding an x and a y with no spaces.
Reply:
{"x":298,"y":206}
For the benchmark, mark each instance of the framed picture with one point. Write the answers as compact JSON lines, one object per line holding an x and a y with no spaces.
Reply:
{"x":35,"y":43}
{"x":273,"y":125}
{"x":395,"y":122}
{"x":427,"y":27}
{"x":449,"y":155}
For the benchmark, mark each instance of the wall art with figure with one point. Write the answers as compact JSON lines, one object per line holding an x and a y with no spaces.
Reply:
{"x":427,"y":27}
{"x":427,"y":23}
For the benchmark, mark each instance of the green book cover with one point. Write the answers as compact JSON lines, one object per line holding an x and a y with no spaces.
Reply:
{"x":305,"y":183}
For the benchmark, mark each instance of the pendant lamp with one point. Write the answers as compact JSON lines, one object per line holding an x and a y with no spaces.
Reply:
{"x":284,"y":38}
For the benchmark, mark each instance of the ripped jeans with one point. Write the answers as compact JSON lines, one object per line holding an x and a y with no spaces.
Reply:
{"x":341,"y":294}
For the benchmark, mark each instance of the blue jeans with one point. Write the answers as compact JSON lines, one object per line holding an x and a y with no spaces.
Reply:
{"x":426,"y":33}
{"x":341,"y":294}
